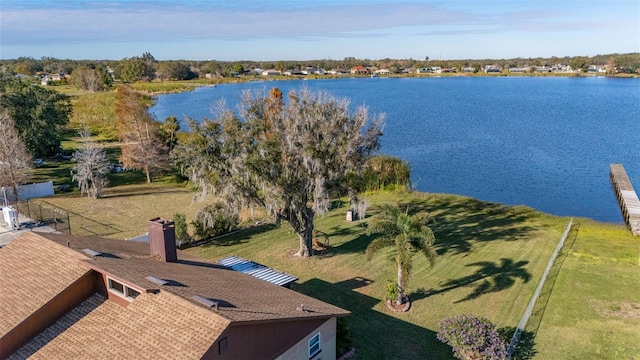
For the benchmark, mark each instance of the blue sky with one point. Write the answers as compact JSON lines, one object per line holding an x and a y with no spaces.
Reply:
{"x":307,"y":29}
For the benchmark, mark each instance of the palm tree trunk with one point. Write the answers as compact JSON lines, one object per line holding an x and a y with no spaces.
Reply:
{"x":400,"y":299}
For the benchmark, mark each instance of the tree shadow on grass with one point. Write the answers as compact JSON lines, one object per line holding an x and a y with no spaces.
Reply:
{"x":459,"y":223}
{"x":490,"y":277}
{"x":525,"y":350}
{"x":237,"y":237}
{"x":377,"y":335}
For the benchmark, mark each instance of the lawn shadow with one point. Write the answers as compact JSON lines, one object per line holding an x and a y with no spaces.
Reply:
{"x":239,"y":236}
{"x":490,"y":277}
{"x":460,"y":222}
{"x":525,"y":350}
{"x":377,"y":335}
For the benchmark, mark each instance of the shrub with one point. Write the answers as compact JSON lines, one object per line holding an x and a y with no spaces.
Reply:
{"x":213,"y":220}
{"x":391,"y":291}
{"x":472,"y":338}
{"x":181,"y":228}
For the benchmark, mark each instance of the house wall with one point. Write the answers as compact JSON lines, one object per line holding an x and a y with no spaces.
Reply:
{"x":274,"y":340}
{"x":328,"y":340}
{"x":48,"y":314}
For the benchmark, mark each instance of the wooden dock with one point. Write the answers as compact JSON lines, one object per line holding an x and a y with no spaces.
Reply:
{"x":627,"y":198}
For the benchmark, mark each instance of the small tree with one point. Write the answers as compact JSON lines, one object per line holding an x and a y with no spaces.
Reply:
{"x":180,"y":222}
{"x":472,"y":338}
{"x":15,"y":161}
{"x":404,"y":233}
{"x":141,"y":146}
{"x":92,"y":167}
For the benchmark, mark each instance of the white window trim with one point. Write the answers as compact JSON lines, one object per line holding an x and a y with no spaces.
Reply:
{"x":319,"y":336}
{"x":126,"y":294}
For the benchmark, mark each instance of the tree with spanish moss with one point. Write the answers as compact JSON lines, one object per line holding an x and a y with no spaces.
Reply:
{"x":289,"y":157}
{"x":405,"y":234}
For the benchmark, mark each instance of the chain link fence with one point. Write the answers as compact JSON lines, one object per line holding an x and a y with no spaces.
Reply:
{"x":527,"y":313}
{"x":67,"y":222}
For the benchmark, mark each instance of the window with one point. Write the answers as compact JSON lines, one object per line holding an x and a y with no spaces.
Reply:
{"x":122,"y":290}
{"x":314,"y":345}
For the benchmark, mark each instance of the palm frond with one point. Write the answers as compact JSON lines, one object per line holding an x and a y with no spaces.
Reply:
{"x":377,"y":245}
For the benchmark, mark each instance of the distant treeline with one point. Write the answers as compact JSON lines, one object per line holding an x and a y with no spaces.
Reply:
{"x":146,"y":67}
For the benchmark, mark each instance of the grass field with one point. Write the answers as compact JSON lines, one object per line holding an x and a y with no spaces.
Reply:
{"x":490,"y":260}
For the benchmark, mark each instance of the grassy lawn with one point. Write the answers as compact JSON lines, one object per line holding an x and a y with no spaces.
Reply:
{"x":490,"y":260}
{"x":593,"y":310}
{"x":491,"y":257}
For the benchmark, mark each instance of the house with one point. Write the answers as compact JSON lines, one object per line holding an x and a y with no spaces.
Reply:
{"x":68,"y":297}
{"x":359,"y":70}
{"x":271,"y":72}
{"x":293,"y":72}
{"x":518,"y":70}
{"x":429,"y":70}
{"x":492,"y":69}
{"x":313,"y":71}
{"x":382,"y":72}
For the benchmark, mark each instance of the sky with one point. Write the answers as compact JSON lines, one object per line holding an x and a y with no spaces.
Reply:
{"x":236,"y":30}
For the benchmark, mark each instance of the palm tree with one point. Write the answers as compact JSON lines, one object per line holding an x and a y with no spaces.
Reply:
{"x":407,"y":234}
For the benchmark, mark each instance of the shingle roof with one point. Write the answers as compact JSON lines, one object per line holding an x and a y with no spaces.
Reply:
{"x":167,"y":319}
{"x":240,"y":297}
{"x":154,"y":326}
{"x":30,"y":278}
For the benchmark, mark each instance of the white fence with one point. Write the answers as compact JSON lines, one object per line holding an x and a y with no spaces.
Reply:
{"x":536,"y":294}
{"x":29,"y":191}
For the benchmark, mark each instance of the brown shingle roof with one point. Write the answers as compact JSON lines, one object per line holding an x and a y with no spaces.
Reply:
{"x":154,"y":326}
{"x":167,"y":321}
{"x":33,"y":271}
{"x":241,"y":297}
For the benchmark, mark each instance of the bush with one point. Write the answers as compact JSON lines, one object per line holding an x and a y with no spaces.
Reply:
{"x":181,"y":228}
{"x":472,"y":338}
{"x":391,"y":291}
{"x":213,"y":220}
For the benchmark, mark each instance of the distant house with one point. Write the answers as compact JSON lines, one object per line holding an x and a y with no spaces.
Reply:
{"x":338,"y":72}
{"x":359,"y":70}
{"x":383,"y":72}
{"x":596,"y":69}
{"x":518,"y":70}
{"x":293,"y":72}
{"x":313,"y":71}
{"x":450,"y":70}
{"x":492,"y":69}
{"x":468,"y":69}
{"x":95,"y":298}
{"x":429,"y":70}
{"x":271,"y":72}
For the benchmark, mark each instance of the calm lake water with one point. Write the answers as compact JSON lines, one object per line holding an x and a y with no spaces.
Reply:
{"x":545,"y":142}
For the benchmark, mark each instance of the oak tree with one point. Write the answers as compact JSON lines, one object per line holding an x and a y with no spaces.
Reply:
{"x":289,"y":157}
{"x":38,"y":114}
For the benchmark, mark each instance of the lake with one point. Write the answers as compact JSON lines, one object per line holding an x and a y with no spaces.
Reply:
{"x":543,"y":142}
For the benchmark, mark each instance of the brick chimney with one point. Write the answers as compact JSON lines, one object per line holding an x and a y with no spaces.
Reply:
{"x":162,"y":239}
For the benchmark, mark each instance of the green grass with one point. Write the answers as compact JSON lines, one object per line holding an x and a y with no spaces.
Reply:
{"x":490,"y":260}
{"x":491,"y":257}
{"x":593,"y":310}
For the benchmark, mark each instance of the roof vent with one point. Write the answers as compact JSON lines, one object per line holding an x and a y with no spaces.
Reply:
{"x":92,"y":252}
{"x":205,"y":301}
{"x":156,"y":280}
